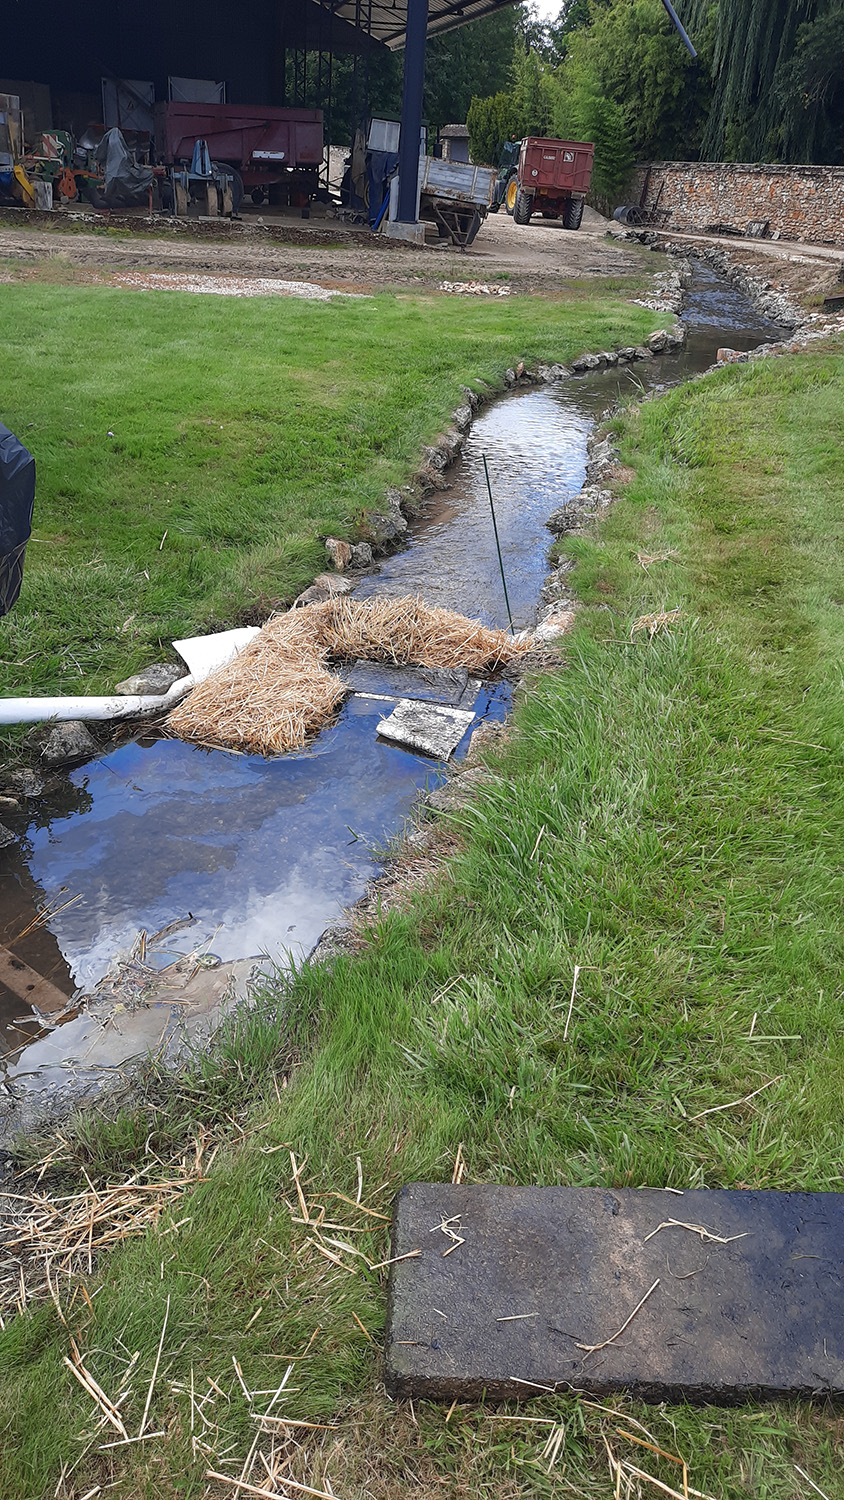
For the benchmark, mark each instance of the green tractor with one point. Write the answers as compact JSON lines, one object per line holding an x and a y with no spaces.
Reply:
{"x":506,"y":183}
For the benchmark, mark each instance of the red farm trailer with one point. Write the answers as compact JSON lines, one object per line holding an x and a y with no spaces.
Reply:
{"x":553,"y":179}
{"x":274,"y":153}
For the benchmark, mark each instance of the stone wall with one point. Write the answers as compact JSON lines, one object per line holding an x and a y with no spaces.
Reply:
{"x":801,"y":203}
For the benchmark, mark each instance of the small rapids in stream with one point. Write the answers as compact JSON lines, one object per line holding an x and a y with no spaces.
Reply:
{"x":266,"y":854}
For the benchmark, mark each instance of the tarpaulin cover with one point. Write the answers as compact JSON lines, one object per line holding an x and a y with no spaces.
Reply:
{"x":17,"y":497}
{"x":125,"y":181}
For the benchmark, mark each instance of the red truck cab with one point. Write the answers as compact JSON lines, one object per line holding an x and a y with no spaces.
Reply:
{"x":553,"y":179}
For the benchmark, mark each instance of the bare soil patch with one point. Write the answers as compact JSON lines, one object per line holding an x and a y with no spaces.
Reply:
{"x":537,"y":258}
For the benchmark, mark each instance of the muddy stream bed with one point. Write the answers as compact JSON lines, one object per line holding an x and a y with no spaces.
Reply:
{"x":262,"y":855}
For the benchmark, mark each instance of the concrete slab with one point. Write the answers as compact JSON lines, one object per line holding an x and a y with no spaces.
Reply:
{"x":426,"y":728}
{"x":414,"y":234}
{"x":445,"y":685}
{"x":739,"y":1294}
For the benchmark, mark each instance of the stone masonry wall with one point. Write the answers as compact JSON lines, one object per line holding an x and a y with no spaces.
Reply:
{"x":802,"y":203}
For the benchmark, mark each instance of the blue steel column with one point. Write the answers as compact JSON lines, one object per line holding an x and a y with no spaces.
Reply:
{"x":411,"y":108}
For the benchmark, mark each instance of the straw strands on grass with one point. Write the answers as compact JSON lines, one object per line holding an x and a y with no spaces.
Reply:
{"x":46,"y":1237}
{"x":657,"y":623}
{"x":279,"y":690}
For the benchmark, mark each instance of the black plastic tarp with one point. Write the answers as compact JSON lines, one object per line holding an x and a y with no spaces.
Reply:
{"x":17,"y":497}
{"x":125,"y":181}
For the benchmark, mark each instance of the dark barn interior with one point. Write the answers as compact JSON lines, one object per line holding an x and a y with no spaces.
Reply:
{"x":247,"y":45}
{"x":266,"y":52}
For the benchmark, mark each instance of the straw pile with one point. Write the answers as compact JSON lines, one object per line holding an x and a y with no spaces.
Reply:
{"x":279,"y":690}
{"x":44,"y":1237}
{"x":275,"y":693}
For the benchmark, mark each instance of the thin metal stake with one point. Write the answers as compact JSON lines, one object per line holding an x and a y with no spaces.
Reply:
{"x":498,"y":545}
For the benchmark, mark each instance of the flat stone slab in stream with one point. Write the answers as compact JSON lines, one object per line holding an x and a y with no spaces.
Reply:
{"x":701,"y":1296}
{"x":426,"y":727}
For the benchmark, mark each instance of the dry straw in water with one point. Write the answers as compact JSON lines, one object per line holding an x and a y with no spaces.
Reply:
{"x":279,"y":690}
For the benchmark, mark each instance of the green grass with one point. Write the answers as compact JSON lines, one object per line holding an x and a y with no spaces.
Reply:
{"x":192,"y":449}
{"x":691,"y":795}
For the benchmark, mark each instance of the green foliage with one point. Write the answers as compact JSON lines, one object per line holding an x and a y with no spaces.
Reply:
{"x":778,"y":79}
{"x":492,"y":122}
{"x":636,"y":58}
{"x":811,"y":90}
{"x":586,"y":113}
{"x":464,"y":62}
{"x":533,"y":92}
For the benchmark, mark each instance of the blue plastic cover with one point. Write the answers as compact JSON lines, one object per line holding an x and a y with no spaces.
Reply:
{"x":17,"y":498}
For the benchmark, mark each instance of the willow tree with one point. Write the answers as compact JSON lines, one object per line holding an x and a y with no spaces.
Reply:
{"x":755,"y":114}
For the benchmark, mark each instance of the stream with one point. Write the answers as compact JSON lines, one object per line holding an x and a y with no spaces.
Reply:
{"x":263,"y":855}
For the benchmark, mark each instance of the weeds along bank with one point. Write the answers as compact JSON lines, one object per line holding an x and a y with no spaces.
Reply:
{"x":667,"y":816}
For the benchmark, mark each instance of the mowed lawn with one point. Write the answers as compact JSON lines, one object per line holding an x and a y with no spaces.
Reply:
{"x":192,"y":449}
{"x":668,"y":815}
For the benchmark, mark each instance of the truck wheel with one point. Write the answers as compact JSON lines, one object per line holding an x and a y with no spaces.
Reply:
{"x":522,"y":208}
{"x":572,"y":213}
{"x":510,"y":192}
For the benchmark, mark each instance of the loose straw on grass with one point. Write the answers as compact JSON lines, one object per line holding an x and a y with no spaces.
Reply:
{"x":734,"y":1103}
{"x":279,"y":690}
{"x":252,"y":1489}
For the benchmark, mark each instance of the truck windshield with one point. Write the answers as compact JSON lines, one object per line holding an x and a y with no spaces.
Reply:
{"x":510,"y":155}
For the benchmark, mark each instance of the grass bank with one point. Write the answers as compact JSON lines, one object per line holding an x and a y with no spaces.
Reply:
{"x":690,"y":794}
{"x":192,"y":449}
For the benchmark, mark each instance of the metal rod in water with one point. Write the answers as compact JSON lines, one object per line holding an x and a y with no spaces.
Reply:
{"x":498,"y":545}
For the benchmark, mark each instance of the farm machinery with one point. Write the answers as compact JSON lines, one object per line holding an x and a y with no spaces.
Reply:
{"x":539,"y":175}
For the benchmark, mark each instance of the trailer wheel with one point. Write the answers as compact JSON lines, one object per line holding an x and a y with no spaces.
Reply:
{"x":237,"y":183}
{"x":473,"y":228}
{"x":522,"y":208}
{"x":510,"y":192}
{"x":572,"y":213}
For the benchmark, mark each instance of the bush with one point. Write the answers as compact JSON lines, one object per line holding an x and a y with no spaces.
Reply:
{"x":491,"y":123}
{"x":586,"y":113}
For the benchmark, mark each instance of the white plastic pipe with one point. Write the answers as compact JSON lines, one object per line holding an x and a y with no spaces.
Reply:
{"x":202,"y":654}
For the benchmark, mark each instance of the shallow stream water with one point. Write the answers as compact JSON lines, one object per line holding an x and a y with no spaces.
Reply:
{"x":265,"y":854}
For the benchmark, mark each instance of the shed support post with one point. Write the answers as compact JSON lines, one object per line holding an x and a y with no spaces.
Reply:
{"x":411,"y":109}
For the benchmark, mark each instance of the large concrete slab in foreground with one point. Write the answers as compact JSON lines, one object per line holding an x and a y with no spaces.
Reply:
{"x":701,"y":1296}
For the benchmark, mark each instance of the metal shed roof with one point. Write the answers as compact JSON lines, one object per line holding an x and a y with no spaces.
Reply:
{"x":385,"y":20}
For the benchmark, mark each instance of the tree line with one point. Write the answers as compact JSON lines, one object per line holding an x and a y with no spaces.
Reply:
{"x":767,"y":84}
